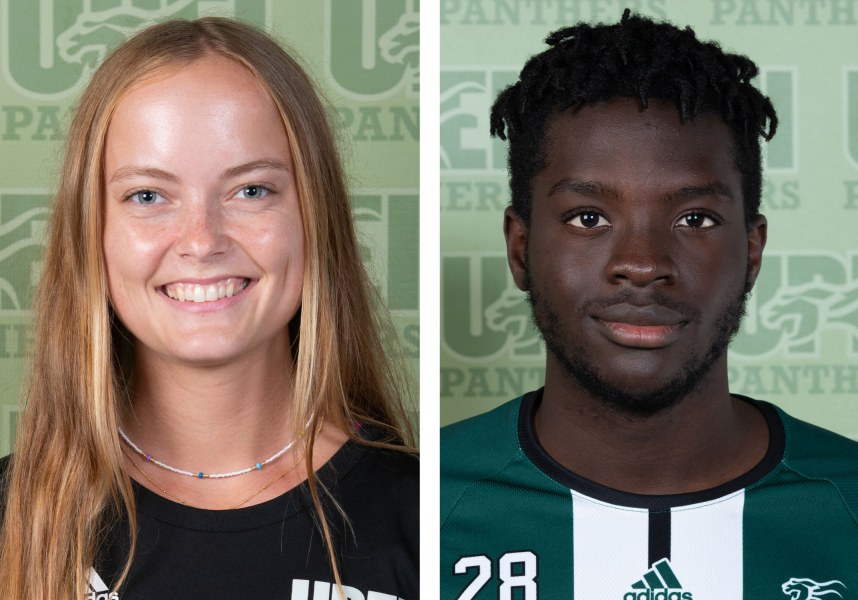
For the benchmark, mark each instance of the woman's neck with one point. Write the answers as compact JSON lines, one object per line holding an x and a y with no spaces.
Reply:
{"x":211,"y":417}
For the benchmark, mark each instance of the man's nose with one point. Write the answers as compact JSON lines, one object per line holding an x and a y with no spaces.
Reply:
{"x":642,"y":255}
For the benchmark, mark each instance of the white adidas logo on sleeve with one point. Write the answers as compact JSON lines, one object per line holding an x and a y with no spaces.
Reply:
{"x":97,"y":589}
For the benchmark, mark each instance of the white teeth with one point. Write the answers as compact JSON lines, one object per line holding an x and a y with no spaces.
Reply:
{"x":193,"y":292}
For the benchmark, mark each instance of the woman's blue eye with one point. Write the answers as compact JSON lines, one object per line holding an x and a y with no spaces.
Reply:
{"x":253,"y":191}
{"x":145,"y":197}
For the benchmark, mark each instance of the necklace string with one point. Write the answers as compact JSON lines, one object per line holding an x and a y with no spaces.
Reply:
{"x":239,"y":505}
{"x":202,"y":475}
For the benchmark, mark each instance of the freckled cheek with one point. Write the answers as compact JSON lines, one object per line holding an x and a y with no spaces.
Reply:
{"x":143,"y":244}
{"x":282,"y":247}
{"x":122,"y":277}
{"x":131,"y":255}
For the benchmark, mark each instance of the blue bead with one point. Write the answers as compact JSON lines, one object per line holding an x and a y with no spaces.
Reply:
{"x":258,"y":466}
{"x":200,"y":475}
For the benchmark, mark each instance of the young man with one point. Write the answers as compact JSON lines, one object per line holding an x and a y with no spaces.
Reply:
{"x":634,"y":228}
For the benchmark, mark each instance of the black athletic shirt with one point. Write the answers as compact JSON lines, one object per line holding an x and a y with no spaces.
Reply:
{"x":274,"y":549}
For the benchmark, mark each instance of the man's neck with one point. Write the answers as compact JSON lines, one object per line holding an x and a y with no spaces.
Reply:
{"x":707,"y":439}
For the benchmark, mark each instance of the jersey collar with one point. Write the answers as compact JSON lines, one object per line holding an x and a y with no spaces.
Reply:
{"x":538,"y":456}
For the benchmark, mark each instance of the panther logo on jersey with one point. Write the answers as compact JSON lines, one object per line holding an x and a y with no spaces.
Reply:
{"x":808,"y":589}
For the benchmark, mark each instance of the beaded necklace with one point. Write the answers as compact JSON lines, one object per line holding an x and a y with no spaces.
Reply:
{"x":201,"y":475}
{"x":239,"y":505}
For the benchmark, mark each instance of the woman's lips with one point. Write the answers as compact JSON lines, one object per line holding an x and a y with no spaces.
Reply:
{"x":205,"y":292}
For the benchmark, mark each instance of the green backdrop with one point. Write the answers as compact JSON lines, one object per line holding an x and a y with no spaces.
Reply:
{"x":799,"y":343}
{"x":363,"y":53}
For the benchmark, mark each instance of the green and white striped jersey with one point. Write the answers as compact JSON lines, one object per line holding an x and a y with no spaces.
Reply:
{"x":517,"y":525}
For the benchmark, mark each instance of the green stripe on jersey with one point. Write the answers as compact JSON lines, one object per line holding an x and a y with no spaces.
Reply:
{"x":501,"y":517}
{"x":815,"y":541}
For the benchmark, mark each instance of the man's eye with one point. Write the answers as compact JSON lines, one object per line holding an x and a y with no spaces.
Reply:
{"x":145,"y":197}
{"x":588,"y":220}
{"x":696,"y":220}
{"x":253,"y":192}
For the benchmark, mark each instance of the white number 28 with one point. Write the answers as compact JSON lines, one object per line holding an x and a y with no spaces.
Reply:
{"x":516,"y":570}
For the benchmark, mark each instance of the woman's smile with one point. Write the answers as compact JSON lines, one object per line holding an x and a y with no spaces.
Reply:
{"x":200,"y":292}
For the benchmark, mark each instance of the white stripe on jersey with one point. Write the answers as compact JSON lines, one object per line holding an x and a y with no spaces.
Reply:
{"x":611,"y":547}
{"x":706,"y":547}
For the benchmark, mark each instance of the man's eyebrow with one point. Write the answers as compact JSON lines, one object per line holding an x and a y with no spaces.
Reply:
{"x":716,"y":188}
{"x":155,"y":173}
{"x":594,"y":188}
{"x":583,"y":187}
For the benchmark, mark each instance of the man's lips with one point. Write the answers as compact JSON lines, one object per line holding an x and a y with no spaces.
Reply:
{"x":650,"y":326}
{"x":641,"y":336}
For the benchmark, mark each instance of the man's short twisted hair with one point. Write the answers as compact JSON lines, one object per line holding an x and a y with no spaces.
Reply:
{"x":636,"y":58}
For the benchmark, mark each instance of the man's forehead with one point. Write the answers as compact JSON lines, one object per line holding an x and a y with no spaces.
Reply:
{"x":623,"y":126}
{"x":617,"y":147}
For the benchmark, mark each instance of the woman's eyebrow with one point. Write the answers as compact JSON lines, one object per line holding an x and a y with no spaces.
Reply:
{"x":255,"y":165}
{"x":137,"y":171}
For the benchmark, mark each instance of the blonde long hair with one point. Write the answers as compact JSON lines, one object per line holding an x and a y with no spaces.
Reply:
{"x":66,"y":484}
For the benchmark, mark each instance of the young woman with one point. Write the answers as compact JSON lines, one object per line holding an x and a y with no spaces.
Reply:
{"x":211,"y":412}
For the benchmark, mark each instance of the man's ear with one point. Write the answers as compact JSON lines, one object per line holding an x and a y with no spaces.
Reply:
{"x":757,"y":231}
{"x":515,"y":232}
